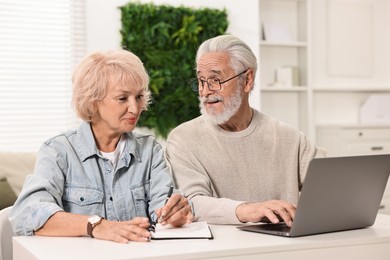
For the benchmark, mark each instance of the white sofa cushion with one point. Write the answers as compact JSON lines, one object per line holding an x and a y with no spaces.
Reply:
{"x":15,"y":166}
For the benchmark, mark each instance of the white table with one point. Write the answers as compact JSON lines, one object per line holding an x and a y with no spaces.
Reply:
{"x":229,"y":243}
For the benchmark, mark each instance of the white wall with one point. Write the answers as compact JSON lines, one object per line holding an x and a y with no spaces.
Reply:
{"x":355,"y":54}
{"x":104,"y":24}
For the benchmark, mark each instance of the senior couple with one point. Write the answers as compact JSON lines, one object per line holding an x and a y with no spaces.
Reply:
{"x":231,"y":165}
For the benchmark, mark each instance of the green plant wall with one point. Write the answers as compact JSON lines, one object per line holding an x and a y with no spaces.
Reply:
{"x":166,"y":39}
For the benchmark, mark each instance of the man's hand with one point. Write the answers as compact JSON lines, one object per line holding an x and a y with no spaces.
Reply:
{"x":177,"y":211}
{"x":272,"y":211}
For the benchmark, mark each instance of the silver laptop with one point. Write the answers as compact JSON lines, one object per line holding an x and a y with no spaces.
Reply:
{"x":339,"y":193}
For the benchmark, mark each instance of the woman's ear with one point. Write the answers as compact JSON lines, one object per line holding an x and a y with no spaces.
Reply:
{"x":94,"y":108}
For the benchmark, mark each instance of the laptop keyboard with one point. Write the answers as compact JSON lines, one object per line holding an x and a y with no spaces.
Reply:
{"x":282,"y":227}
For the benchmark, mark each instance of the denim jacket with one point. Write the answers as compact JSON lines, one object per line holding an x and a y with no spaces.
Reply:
{"x":71,"y":175}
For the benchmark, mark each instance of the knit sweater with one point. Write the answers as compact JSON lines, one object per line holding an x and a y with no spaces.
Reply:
{"x":218,"y":169}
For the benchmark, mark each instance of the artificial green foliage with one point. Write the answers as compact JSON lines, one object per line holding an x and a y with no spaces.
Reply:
{"x":166,"y":39}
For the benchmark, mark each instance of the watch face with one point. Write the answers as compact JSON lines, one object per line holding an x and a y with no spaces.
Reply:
{"x":94,"y":219}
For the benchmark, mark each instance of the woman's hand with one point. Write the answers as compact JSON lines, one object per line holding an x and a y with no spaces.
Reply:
{"x":177,"y":211}
{"x":123,"y":231}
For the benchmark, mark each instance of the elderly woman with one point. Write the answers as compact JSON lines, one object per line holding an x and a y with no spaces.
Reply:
{"x":102,"y":179}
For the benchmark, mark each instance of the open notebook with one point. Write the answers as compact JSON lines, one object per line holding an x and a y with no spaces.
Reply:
{"x":193,"y":230}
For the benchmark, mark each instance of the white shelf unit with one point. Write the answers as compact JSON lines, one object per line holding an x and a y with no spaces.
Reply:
{"x":284,"y":32}
{"x":350,"y":59}
{"x":341,"y":61}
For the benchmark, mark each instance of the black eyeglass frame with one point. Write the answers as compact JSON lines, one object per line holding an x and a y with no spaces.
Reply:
{"x":195,"y":87}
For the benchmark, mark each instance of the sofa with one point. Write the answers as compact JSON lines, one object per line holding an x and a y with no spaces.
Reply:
{"x":14,"y":166}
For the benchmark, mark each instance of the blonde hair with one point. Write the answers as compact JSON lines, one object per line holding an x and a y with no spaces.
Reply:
{"x":97,"y":71}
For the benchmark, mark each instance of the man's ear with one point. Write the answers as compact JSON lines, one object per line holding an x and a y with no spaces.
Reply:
{"x":249,"y":80}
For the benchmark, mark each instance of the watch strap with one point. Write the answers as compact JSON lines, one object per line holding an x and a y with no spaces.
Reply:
{"x":91,"y":226}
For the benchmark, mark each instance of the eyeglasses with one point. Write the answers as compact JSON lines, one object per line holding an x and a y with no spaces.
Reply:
{"x":214,"y":84}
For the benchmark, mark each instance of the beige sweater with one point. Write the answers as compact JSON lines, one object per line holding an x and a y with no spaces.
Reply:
{"x":218,"y":170}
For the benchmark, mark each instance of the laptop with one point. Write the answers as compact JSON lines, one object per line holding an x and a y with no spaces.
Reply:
{"x":339,"y":193}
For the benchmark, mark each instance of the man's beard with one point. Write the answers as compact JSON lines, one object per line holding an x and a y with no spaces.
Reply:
{"x":230,"y":109}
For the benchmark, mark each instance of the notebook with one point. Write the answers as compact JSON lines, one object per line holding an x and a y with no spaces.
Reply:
{"x":194,"y":230}
{"x":339,"y":193}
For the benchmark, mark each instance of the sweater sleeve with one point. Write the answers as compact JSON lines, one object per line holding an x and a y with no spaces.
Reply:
{"x":307,"y":152}
{"x":194,"y":181}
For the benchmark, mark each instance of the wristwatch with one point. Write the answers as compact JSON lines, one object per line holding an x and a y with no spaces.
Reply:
{"x":93,"y":221}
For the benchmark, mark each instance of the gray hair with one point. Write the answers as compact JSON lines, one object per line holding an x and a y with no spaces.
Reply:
{"x":241,"y":56}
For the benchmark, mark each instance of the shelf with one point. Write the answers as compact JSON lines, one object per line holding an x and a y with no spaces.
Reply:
{"x":352,"y":89}
{"x":284,"y":89}
{"x":284,"y":1}
{"x":283,"y":44}
{"x":357,"y":125}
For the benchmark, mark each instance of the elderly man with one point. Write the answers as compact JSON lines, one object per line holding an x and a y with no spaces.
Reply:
{"x":235,"y":163}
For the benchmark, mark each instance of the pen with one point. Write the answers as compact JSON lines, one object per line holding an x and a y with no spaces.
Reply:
{"x":152,"y":224}
{"x":152,"y":227}
{"x":166,"y":200}
{"x":169,"y":194}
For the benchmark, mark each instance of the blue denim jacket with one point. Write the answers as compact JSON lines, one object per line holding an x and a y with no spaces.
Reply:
{"x":70,"y":175}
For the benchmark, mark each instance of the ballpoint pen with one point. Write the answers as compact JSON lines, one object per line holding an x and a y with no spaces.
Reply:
{"x":169,"y":194}
{"x":166,"y":200}
{"x":152,"y":227}
{"x":152,"y":224}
